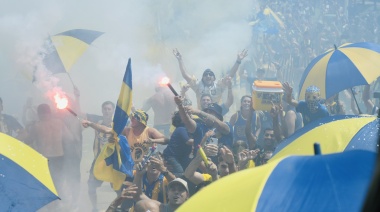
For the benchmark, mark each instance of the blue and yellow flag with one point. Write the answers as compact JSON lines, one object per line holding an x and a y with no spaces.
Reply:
{"x":115,"y":162}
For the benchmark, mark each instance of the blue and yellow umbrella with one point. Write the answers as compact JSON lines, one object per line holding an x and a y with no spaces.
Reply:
{"x":334,"y":182}
{"x":65,"y":48}
{"x":25,"y":181}
{"x":335,"y":134}
{"x":342,"y":68}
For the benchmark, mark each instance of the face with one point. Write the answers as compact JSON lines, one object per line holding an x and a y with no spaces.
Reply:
{"x":177,"y":194}
{"x":223,"y":169}
{"x":312,"y":99}
{"x":152,"y":170}
{"x":205,"y":101}
{"x":108,"y":111}
{"x":208,"y":78}
{"x":246,"y":103}
{"x":135,"y":122}
{"x":269,"y":139}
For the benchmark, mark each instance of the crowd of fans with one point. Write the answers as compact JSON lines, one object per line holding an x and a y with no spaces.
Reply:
{"x":205,"y":140}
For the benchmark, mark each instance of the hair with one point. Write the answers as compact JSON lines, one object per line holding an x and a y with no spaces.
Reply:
{"x":206,"y":94}
{"x":108,"y":103}
{"x":208,"y":71}
{"x":268,"y":129}
{"x":43,"y":109}
{"x":245,"y":96}
{"x":176,"y":119}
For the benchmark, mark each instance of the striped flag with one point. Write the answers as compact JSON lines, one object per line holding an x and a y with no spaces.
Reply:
{"x":115,"y":162}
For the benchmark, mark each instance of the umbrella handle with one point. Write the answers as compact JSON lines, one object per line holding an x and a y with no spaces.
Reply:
{"x":317,"y":149}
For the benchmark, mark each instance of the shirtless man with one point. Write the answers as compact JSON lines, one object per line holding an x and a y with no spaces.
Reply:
{"x":47,"y":136}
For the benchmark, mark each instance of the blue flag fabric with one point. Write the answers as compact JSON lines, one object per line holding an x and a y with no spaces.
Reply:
{"x":115,"y":162}
{"x":124,"y":103}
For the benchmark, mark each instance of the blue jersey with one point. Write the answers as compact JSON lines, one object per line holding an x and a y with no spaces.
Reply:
{"x":239,"y":127}
{"x":177,"y":146}
{"x":308,"y":116}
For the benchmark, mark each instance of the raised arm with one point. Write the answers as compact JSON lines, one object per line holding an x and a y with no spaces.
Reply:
{"x":288,"y":94}
{"x":191,"y":171}
{"x":251,"y":137}
{"x":230,"y":95}
{"x":182,"y":68}
{"x":237,"y":63}
{"x":190,"y":124}
{"x":276,"y":113}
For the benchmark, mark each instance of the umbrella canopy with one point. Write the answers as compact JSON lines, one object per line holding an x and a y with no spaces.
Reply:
{"x":342,"y":68}
{"x":65,"y":48}
{"x":334,"y":182}
{"x":25,"y":181}
{"x":334,"y":133}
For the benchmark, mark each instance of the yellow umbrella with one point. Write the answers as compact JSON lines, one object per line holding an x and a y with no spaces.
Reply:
{"x":25,"y":181}
{"x":334,"y":182}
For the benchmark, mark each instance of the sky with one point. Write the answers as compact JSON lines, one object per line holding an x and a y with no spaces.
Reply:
{"x":208,"y":33}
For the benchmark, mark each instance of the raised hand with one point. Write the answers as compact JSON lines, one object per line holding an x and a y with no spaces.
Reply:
{"x":177,"y":54}
{"x":242,"y":55}
{"x":287,"y":88}
{"x":178,"y":100}
{"x":211,"y":150}
{"x":158,"y":163}
{"x":227,"y":155}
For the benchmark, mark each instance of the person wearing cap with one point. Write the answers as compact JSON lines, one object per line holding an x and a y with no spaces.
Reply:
{"x":208,"y":84}
{"x":311,"y":109}
{"x":140,"y":137}
{"x":178,"y":193}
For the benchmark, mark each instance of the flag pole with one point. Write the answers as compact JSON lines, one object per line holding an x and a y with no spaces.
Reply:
{"x":71,"y":80}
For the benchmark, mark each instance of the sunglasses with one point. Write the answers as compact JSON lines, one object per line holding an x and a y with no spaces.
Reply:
{"x":223,"y":166}
{"x":208,"y":74}
{"x":269,"y":135}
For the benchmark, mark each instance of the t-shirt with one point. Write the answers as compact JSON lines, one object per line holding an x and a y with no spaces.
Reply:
{"x":177,"y":146}
{"x":100,"y":138}
{"x":215,"y":90}
{"x":307,"y":115}
{"x":9,"y":125}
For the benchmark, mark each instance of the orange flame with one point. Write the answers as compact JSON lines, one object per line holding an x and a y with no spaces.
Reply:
{"x":61,"y":101}
{"x":164,"y":81}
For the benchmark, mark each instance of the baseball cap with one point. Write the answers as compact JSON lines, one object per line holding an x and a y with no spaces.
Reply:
{"x":179,"y":181}
{"x":216,"y":109}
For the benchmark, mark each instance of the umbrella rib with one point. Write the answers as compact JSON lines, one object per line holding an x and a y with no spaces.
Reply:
{"x":330,"y":176}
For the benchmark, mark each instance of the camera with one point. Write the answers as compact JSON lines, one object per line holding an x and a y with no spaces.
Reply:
{"x":212,"y":140}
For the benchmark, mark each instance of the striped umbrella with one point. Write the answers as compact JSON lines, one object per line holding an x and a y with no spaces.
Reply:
{"x":333,"y":182}
{"x":334,"y":133}
{"x":342,"y":68}
{"x":25,"y":181}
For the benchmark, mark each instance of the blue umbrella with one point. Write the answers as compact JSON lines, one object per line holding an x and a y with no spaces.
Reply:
{"x":333,"y":182}
{"x":25,"y":181}
{"x":335,"y":134}
{"x":342,"y":68}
